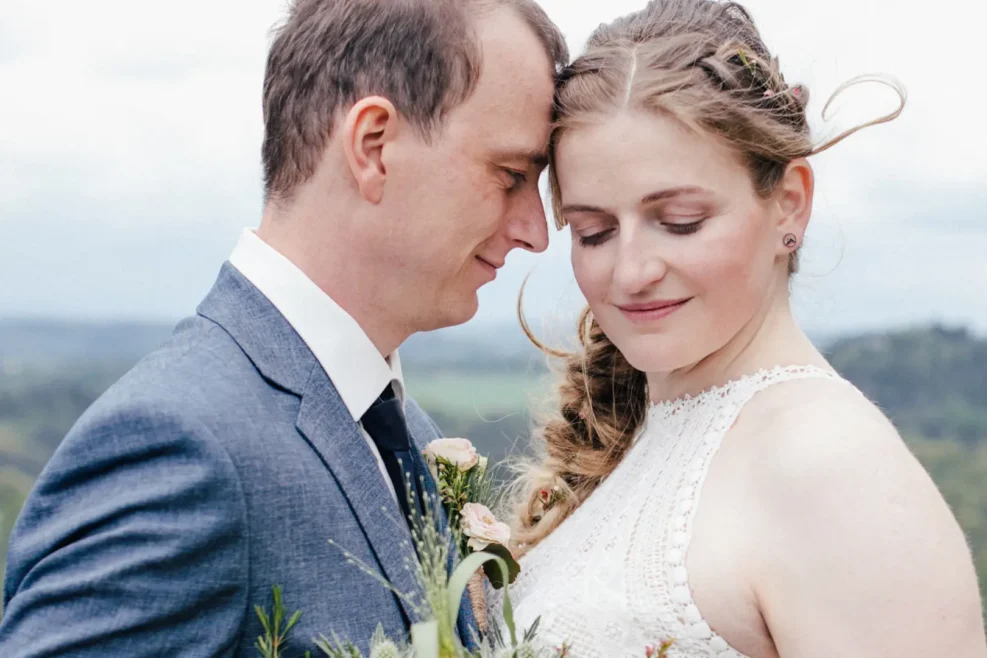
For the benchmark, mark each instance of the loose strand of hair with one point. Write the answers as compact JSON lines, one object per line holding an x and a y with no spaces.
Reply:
{"x":886,"y":80}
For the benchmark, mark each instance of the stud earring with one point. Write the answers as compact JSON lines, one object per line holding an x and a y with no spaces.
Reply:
{"x":790,"y":240}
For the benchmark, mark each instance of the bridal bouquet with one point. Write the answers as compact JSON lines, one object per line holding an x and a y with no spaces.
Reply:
{"x":481,"y":541}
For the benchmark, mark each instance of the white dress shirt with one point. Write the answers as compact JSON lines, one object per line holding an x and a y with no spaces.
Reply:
{"x":357,"y":369}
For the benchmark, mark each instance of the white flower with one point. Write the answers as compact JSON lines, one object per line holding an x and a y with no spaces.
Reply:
{"x":381,"y":646}
{"x":459,"y":452}
{"x":483,"y":528}
{"x":525,"y":650}
{"x":386,"y":649}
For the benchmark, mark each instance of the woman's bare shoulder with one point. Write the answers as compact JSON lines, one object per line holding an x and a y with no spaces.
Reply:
{"x":846,"y":512}
{"x":821,"y":444}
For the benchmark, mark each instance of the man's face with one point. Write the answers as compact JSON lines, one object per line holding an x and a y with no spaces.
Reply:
{"x":468,"y":196}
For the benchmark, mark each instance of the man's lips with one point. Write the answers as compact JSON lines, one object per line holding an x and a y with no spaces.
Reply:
{"x":489,"y":266}
{"x":492,"y":264}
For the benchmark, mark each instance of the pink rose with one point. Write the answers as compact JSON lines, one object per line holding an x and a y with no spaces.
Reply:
{"x":459,"y":452}
{"x":483,"y":528}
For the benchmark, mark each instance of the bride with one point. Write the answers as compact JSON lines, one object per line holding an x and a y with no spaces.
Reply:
{"x":709,"y":479}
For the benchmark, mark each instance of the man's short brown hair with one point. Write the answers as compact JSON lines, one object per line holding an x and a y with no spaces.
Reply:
{"x":422,"y":55}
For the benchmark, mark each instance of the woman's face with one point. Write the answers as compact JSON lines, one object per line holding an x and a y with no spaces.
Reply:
{"x":671,"y":245}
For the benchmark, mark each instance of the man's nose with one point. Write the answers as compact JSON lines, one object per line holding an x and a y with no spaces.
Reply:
{"x":527,"y":227}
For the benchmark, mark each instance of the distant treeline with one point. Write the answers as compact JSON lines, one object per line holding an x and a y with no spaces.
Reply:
{"x":932,"y":382}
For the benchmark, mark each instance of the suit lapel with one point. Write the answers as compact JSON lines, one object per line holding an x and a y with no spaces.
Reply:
{"x":326,"y":424}
{"x":283,"y":358}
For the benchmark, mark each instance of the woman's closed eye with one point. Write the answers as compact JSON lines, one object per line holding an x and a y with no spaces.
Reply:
{"x":684,"y":228}
{"x":594,"y":238}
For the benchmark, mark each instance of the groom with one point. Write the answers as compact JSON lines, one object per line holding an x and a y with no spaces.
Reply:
{"x":403,"y":142}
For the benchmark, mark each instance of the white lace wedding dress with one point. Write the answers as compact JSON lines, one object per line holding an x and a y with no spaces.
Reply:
{"x":611,"y":579}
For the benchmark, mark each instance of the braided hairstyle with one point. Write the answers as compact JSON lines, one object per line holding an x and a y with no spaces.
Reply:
{"x":703,"y":63}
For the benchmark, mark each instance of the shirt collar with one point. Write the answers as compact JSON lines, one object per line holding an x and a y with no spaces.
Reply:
{"x":356,"y":368}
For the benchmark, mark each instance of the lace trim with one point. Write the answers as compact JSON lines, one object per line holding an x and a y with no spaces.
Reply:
{"x":768,"y":375}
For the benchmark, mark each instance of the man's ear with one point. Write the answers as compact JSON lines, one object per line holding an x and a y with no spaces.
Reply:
{"x":794,"y":198}
{"x":366,"y":128}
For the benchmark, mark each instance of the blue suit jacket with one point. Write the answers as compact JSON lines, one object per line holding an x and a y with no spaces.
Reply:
{"x":221,"y":465}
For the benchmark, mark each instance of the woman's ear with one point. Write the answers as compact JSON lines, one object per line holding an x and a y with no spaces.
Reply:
{"x":793,"y":196}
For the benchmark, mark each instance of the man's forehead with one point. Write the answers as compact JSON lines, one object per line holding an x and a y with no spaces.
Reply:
{"x":510,"y":110}
{"x":515,"y":68}
{"x":510,"y":132}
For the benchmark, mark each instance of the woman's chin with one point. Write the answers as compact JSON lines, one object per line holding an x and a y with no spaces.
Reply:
{"x":659,"y":354}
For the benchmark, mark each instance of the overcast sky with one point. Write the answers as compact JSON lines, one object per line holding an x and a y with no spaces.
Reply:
{"x":130,"y":133}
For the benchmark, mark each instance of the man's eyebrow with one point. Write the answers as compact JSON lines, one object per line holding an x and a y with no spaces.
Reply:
{"x":536,"y":158}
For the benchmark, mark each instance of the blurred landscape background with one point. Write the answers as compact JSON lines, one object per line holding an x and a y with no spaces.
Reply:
{"x":484,"y":384}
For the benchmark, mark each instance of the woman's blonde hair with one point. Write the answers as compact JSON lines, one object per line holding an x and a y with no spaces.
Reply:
{"x":703,"y":63}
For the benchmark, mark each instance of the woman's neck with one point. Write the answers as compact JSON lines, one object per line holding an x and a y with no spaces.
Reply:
{"x":772,"y":338}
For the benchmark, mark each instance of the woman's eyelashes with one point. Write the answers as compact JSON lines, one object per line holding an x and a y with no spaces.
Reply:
{"x":590,"y":238}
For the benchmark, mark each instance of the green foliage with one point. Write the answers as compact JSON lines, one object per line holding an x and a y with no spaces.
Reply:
{"x":336,"y":647}
{"x":493,"y":574}
{"x":14,"y":486}
{"x":457,"y":488}
{"x":270,"y":643}
{"x":484,"y":394}
{"x":929,"y":381}
{"x":381,"y":646}
{"x":960,"y":472}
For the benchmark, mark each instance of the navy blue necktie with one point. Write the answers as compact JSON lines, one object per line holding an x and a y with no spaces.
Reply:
{"x":385,"y":424}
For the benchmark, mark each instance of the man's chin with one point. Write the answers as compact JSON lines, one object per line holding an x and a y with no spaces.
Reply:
{"x":455,"y":312}
{"x":466,"y":310}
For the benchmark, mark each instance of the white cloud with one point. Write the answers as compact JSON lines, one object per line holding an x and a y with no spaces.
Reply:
{"x":130,"y":136}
